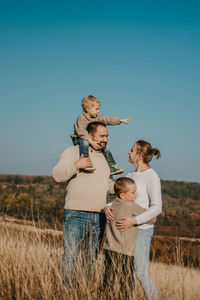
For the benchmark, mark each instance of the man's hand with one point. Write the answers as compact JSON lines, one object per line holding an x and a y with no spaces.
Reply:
{"x":125,"y":223}
{"x":83,"y":162}
{"x":109,"y":215}
{"x":126,"y":121}
{"x":94,"y":145}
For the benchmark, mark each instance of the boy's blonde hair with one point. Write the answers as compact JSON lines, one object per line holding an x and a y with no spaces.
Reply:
{"x":89,"y":101}
{"x":122,"y":185}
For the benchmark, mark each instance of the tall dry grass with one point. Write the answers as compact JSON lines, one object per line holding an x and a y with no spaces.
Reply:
{"x":30,"y":269}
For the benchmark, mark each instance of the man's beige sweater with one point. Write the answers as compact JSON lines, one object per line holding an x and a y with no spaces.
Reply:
{"x":123,"y":242}
{"x":83,"y":121}
{"x":85,"y":191}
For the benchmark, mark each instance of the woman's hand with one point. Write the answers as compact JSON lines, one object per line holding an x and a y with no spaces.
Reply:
{"x":125,"y":223}
{"x":109,"y":215}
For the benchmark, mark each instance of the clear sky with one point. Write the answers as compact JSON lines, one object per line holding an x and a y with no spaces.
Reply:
{"x":140,"y":58}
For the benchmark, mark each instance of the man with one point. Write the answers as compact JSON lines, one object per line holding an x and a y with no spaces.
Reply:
{"x":85,"y":198}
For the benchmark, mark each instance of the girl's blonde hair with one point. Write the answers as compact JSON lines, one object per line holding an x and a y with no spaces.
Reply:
{"x":89,"y":101}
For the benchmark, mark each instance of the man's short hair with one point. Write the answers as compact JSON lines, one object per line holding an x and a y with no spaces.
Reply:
{"x":121,"y":185}
{"x":92,"y":127}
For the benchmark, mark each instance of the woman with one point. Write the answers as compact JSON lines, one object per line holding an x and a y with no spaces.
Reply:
{"x":149,"y":197}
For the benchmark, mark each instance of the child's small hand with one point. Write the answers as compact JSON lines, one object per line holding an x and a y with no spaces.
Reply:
{"x":94,"y":145}
{"x":126,"y":121}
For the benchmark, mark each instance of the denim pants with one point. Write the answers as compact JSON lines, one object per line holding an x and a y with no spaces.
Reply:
{"x":108,"y":156}
{"x":82,"y":230}
{"x":141,"y":263}
{"x":83,"y":148}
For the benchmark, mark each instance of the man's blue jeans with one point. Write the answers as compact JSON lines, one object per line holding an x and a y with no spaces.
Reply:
{"x":81,"y":229}
{"x":141,"y":263}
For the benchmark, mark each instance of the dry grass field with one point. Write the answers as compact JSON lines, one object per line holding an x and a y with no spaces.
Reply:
{"x":30,"y":269}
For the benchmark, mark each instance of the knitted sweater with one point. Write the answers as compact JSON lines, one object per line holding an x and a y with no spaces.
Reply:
{"x":83,"y":121}
{"x":148,"y":195}
{"x":85,"y":191}
{"x":122,"y":242}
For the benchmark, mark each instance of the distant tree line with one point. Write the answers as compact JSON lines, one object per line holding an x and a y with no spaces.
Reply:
{"x":40,"y":198}
{"x":180,"y":189}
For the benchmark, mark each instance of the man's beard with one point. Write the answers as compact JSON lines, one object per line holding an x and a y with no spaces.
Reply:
{"x":102,"y":145}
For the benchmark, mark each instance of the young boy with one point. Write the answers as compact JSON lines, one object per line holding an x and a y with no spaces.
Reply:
{"x":119,"y":246}
{"x":91,"y":106}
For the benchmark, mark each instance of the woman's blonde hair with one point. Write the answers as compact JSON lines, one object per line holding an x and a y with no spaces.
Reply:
{"x":147,"y":151}
{"x":89,"y":101}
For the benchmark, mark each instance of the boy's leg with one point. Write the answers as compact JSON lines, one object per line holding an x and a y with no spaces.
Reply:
{"x":141,"y":263}
{"x":114,"y":168}
{"x":126,"y":275}
{"x":128,"y":272}
{"x":110,"y":270}
{"x":109,"y":157}
{"x":83,"y":147}
{"x":84,"y":150}
{"x":119,"y":270}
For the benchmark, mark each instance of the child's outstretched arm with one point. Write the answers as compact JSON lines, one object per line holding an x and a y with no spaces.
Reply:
{"x":108,"y":120}
{"x":126,"y":121}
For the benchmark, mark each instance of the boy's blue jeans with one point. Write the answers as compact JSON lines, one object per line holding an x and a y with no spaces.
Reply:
{"x":81,"y":228}
{"x":141,"y":263}
{"x":84,"y":145}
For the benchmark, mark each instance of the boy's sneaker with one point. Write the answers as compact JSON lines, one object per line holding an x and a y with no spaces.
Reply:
{"x":115,"y":170}
{"x":90,"y":169}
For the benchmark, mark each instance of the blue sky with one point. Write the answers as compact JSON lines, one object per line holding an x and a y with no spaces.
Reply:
{"x":140,"y":58}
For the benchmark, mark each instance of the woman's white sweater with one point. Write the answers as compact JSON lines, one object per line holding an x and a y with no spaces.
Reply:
{"x":148,"y":195}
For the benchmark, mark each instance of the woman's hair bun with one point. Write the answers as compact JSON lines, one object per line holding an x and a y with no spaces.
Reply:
{"x":147,"y":151}
{"x":156,"y":152}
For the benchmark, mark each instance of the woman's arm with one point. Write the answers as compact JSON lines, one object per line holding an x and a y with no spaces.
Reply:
{"x":153,"y":187}
{"x":125,"y":223}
